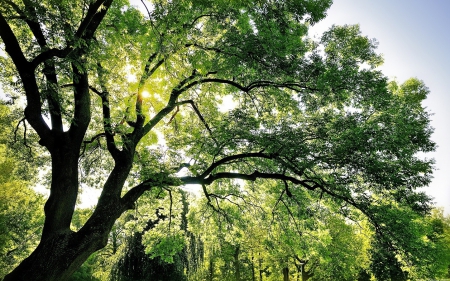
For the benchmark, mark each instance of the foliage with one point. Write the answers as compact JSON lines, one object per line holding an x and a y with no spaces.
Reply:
{"x":21,"y":215}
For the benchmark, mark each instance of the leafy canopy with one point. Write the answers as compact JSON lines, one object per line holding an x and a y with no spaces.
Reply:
{"x":135,"y":100}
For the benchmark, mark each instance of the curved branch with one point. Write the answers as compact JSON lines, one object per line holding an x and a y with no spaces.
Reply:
{"x":33,"y":109}
{"x":50,"y":53}
{"x":134,"y":193}
{"x":95,"y":138}
{"x":12,"y":47}
{"x":23,"y":120}
{"x":232,"y":158}
{"x":296,"y":86}
{"x":171,"y":104}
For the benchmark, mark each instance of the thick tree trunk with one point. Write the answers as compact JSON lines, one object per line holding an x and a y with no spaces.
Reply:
{"x":57,"y":257}
{"x":62,"y":251}
{"x":60,"y":254}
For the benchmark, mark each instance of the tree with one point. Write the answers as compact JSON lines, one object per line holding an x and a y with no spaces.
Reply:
{"x":21,"y":214}
{"x":427,"y":241}
{"x":103,"y":83}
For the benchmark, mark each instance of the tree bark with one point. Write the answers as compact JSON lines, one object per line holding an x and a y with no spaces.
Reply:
{"x":57,"y":257}
{"x":61,"y":251}
{"x":237,"y":272}
{"x":286,"y":274}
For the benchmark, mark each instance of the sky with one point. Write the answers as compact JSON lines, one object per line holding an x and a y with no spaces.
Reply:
{"x":414,"y":38}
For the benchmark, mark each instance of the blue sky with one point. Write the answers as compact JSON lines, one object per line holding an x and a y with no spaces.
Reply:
{"x":414,"y":38}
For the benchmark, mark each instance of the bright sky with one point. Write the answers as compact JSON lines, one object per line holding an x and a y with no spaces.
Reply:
{"x":414,"y":38}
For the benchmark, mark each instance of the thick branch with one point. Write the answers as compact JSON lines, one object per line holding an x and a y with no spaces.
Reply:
{"x":33,"y":109}
{"x":82,"y":102}
{"x":33,"y":24}
{"x":49,"y":69}
{"x":93,"y":18}
{"x":107,"y":126}
{"x":12,"y":47}
{"x":133,"y":194}
{"x":138,"y":133}
{"x":50,"y":53}
{"x":85,"y":31}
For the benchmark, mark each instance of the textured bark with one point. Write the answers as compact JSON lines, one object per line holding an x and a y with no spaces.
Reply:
{"x":62,"y":251}
{"x":57,"y":257}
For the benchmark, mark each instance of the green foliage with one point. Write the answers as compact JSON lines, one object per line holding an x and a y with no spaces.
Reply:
{"x":316,"y":161}
{"x":21,"y":214}
{"x":21,"y":219}
{"x":86,"y":271}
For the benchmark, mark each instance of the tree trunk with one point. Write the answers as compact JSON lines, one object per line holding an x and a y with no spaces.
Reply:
{"x":57,"y":257}
{"x":211,"y":270}
{"x":286,"y":274}
{"x":237,"y":272}
{"x":62,"y":251}
{"x":253,"y":269}
{"x":306,"y":275}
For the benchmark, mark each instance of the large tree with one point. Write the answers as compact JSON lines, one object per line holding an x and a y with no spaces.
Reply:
{"x":124,"y":100}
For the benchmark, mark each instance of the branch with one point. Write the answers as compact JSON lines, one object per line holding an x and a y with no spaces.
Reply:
{"x":12,"y":47}
{"x":218,"y":209}
{"x":49,"y":68}
{"x":107,"y":127}
{"x":50,"y":53}
{"x":85,"y":31}
{"x":250,"y":177}
{"x":32,"y":23}
{"x":171,"y":104}
{"x":82,"y":103}
{"x":140,"y":118}
{"x":296,"y":86}
{"x":147,"y":71}
{"x":96,"y":137}
{"x":24,"y":134}
{"x":299,"y":232}
{"x":200,"y":116}
{"x":160,"y":179}
{"x":235,"y":157}
{"x":33,"y":108}
{"x":93,"y":18}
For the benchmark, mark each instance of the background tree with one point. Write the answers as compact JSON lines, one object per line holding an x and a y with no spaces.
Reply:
{"x":103,"y":83}
{"x":21,"y":214}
